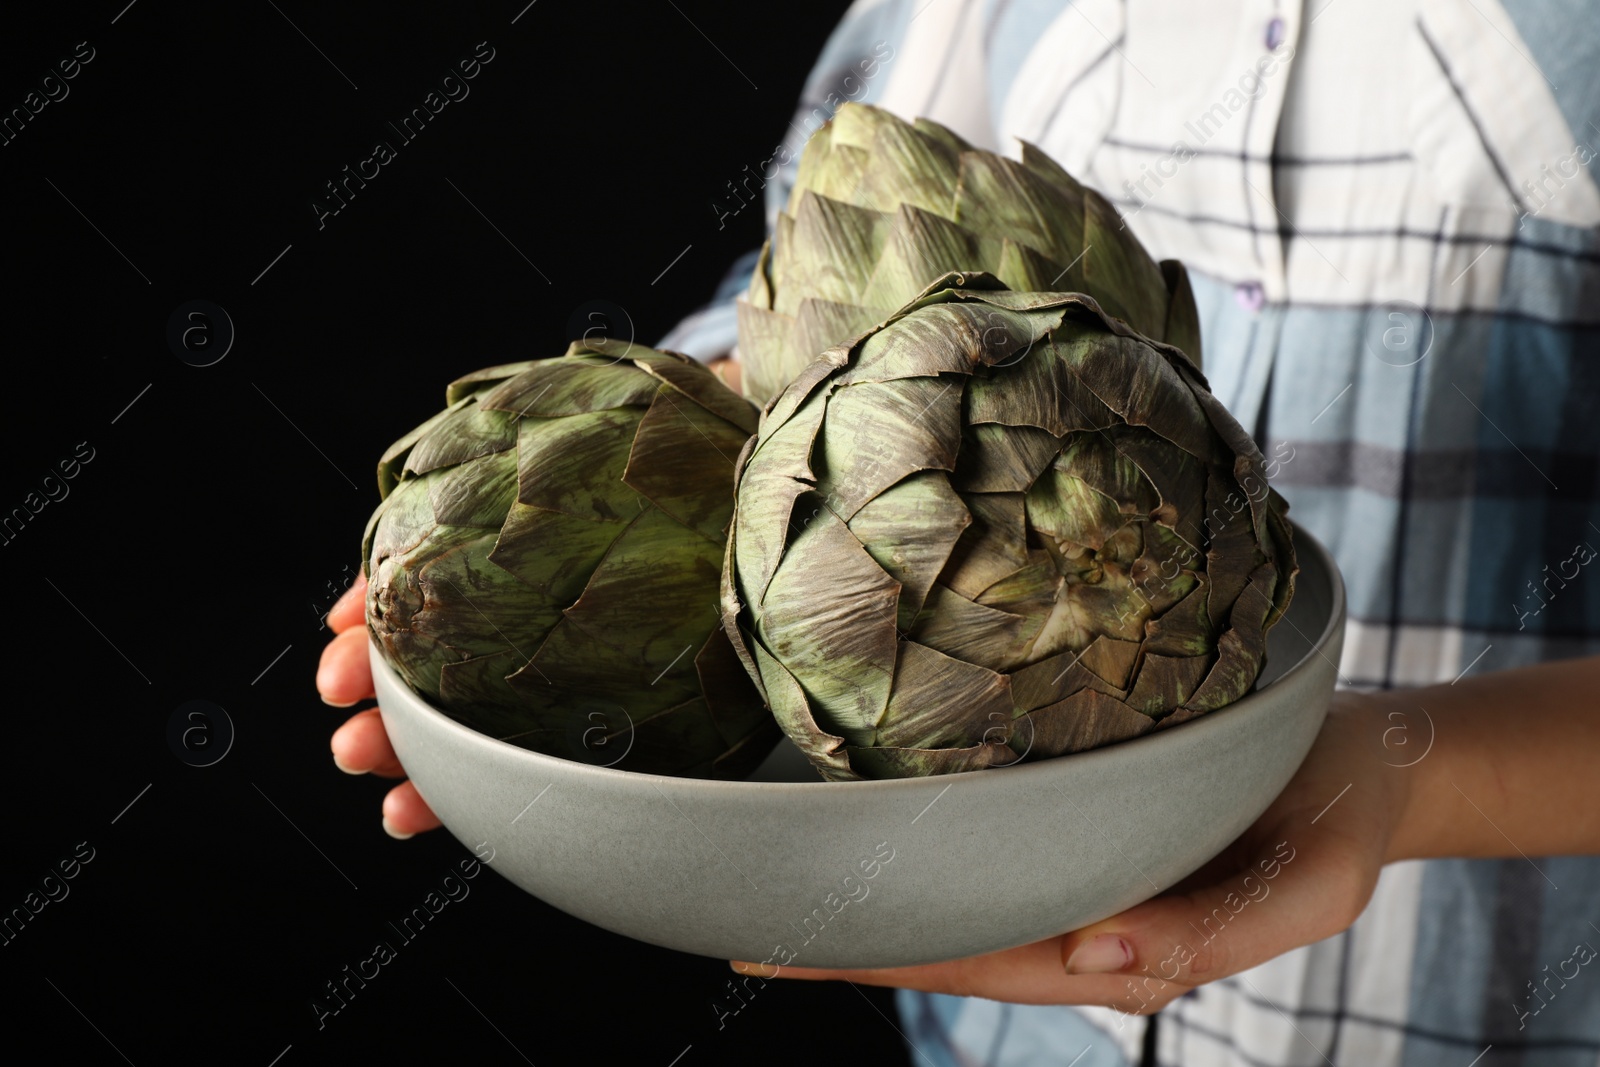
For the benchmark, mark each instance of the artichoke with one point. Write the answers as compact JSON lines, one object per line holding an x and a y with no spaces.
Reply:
{"x":999,"y":525}
{"x":544,"y":565}
{"x":882,"y":207}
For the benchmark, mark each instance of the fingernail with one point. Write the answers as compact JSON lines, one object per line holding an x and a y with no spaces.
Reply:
{"x":348,"y":770}
{"x":392,"y":832}
{"x":332,"y":704}
{"x":757,"y":969}
{"x":1103,"y":954}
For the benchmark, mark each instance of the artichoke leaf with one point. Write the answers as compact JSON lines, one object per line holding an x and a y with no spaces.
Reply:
{"x":551,"y":552}
{"x":909,"y":529}
{"x":1232,"y":551}
{"x":400,"y":523}
{"x":465,"y":433}
{"x":574,"y":672}
{"x":1167,"y":569}
{"x":570,"y":464}
{"x":1000,"y":196}
{"x":1111,"y":660}
{"x":940,"y":702}
{"x":792,"y":708}
{"x":475,"y":382}
{"x":771,"y":333}
{"x":829,"y":616}
{"x":1178,"y":477}
{"x":920,"y":245}
{"x":478,"y":492}
{"x":1027,"y":271}
{"x":1182,"y":330}
{"x":1040,"y":390}
{"x":875,"y":434}
{"x":787,"y":271}
{"x":731,"y":699}
{"x":994,"y":546}
{"x":881,"y":763}
{"x":820,"y":324}
{"x":697,"y":384}
{"x":818,"y":148}
{"x":1055,"y":678}
{"x":572,"y":386}
{"x":908,"y":168}
{"x":417,"y":658}
{"x":1073,"y":512}
{"x":1029,"y":591}
{"x":680,"y":453}
{"x":831,"y":249}
{"x":469,"y":603}
{"x":941,"y":341}
{"x":477,"y":687}
{"x":1186,"y":628}
{"x":733,"y":611}
{"x":1099,"y":461}
{"x":838,"y":177}
{"x":958,"y":627}
{"x":391,"y":464}
{"x":951,"y":140}
{"x":1241,"y":649}
{"x":1085,"y":610}
{"x":1119,"y":271}
{"x":760,"y":292}
{"x":855,"y":127}
{"x":772,"y":510}
{"x":1086,"y":719}
{"x":811,"y":385}
{"x":1166,"y":682}
{"x":995,"y":458}
{"x":1141,"y":385}
{"x":1040,"y":163}
{"x":1282,"y":553}
{"x":775,"y":475}
{"x":656,"y":586}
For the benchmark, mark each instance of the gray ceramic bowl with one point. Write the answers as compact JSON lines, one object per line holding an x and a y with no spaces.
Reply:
{"x":879,"y":874}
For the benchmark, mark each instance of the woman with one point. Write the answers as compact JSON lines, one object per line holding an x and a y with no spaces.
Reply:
{"x":1389,"y":222}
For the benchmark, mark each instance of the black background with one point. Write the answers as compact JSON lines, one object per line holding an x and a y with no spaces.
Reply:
{"x":195,"y":553}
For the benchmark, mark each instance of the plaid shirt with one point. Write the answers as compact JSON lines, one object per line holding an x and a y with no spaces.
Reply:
{"x":1389,"y":220}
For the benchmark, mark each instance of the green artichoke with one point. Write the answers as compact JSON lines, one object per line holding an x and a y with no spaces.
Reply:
{"x":1000,"y":525}
{"x":882,"y":207}
{"x":544,"y":565}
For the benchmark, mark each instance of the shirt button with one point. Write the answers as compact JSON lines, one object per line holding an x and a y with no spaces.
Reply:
{"x":1250,"y":296}
{"x":1274,"y":34}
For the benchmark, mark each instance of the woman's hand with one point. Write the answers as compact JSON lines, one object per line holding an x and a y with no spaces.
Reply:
{"x":361,"y":745}
{"x":1303,"y":872}
{"x":728,"y":370}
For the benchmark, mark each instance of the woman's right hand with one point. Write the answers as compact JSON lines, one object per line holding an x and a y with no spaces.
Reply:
{"x":361,"y":745}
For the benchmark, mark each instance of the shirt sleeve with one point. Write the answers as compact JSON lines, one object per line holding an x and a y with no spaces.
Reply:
{"x":854,"y":66}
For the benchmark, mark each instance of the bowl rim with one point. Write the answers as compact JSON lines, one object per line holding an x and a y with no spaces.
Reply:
{"x":1304,"y":542}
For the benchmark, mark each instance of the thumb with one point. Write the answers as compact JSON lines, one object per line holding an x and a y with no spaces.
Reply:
{"x":1285,"y":898}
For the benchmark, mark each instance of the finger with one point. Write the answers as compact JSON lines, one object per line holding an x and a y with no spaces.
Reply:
{"x":728,"y":370}
{"x":350,"y":609}
{"x":362,"y":745}
{"x":1292,"y":894}
{"x":1029,"y":974}
{"x":344,"y":675}
{"x":405,"y":813}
